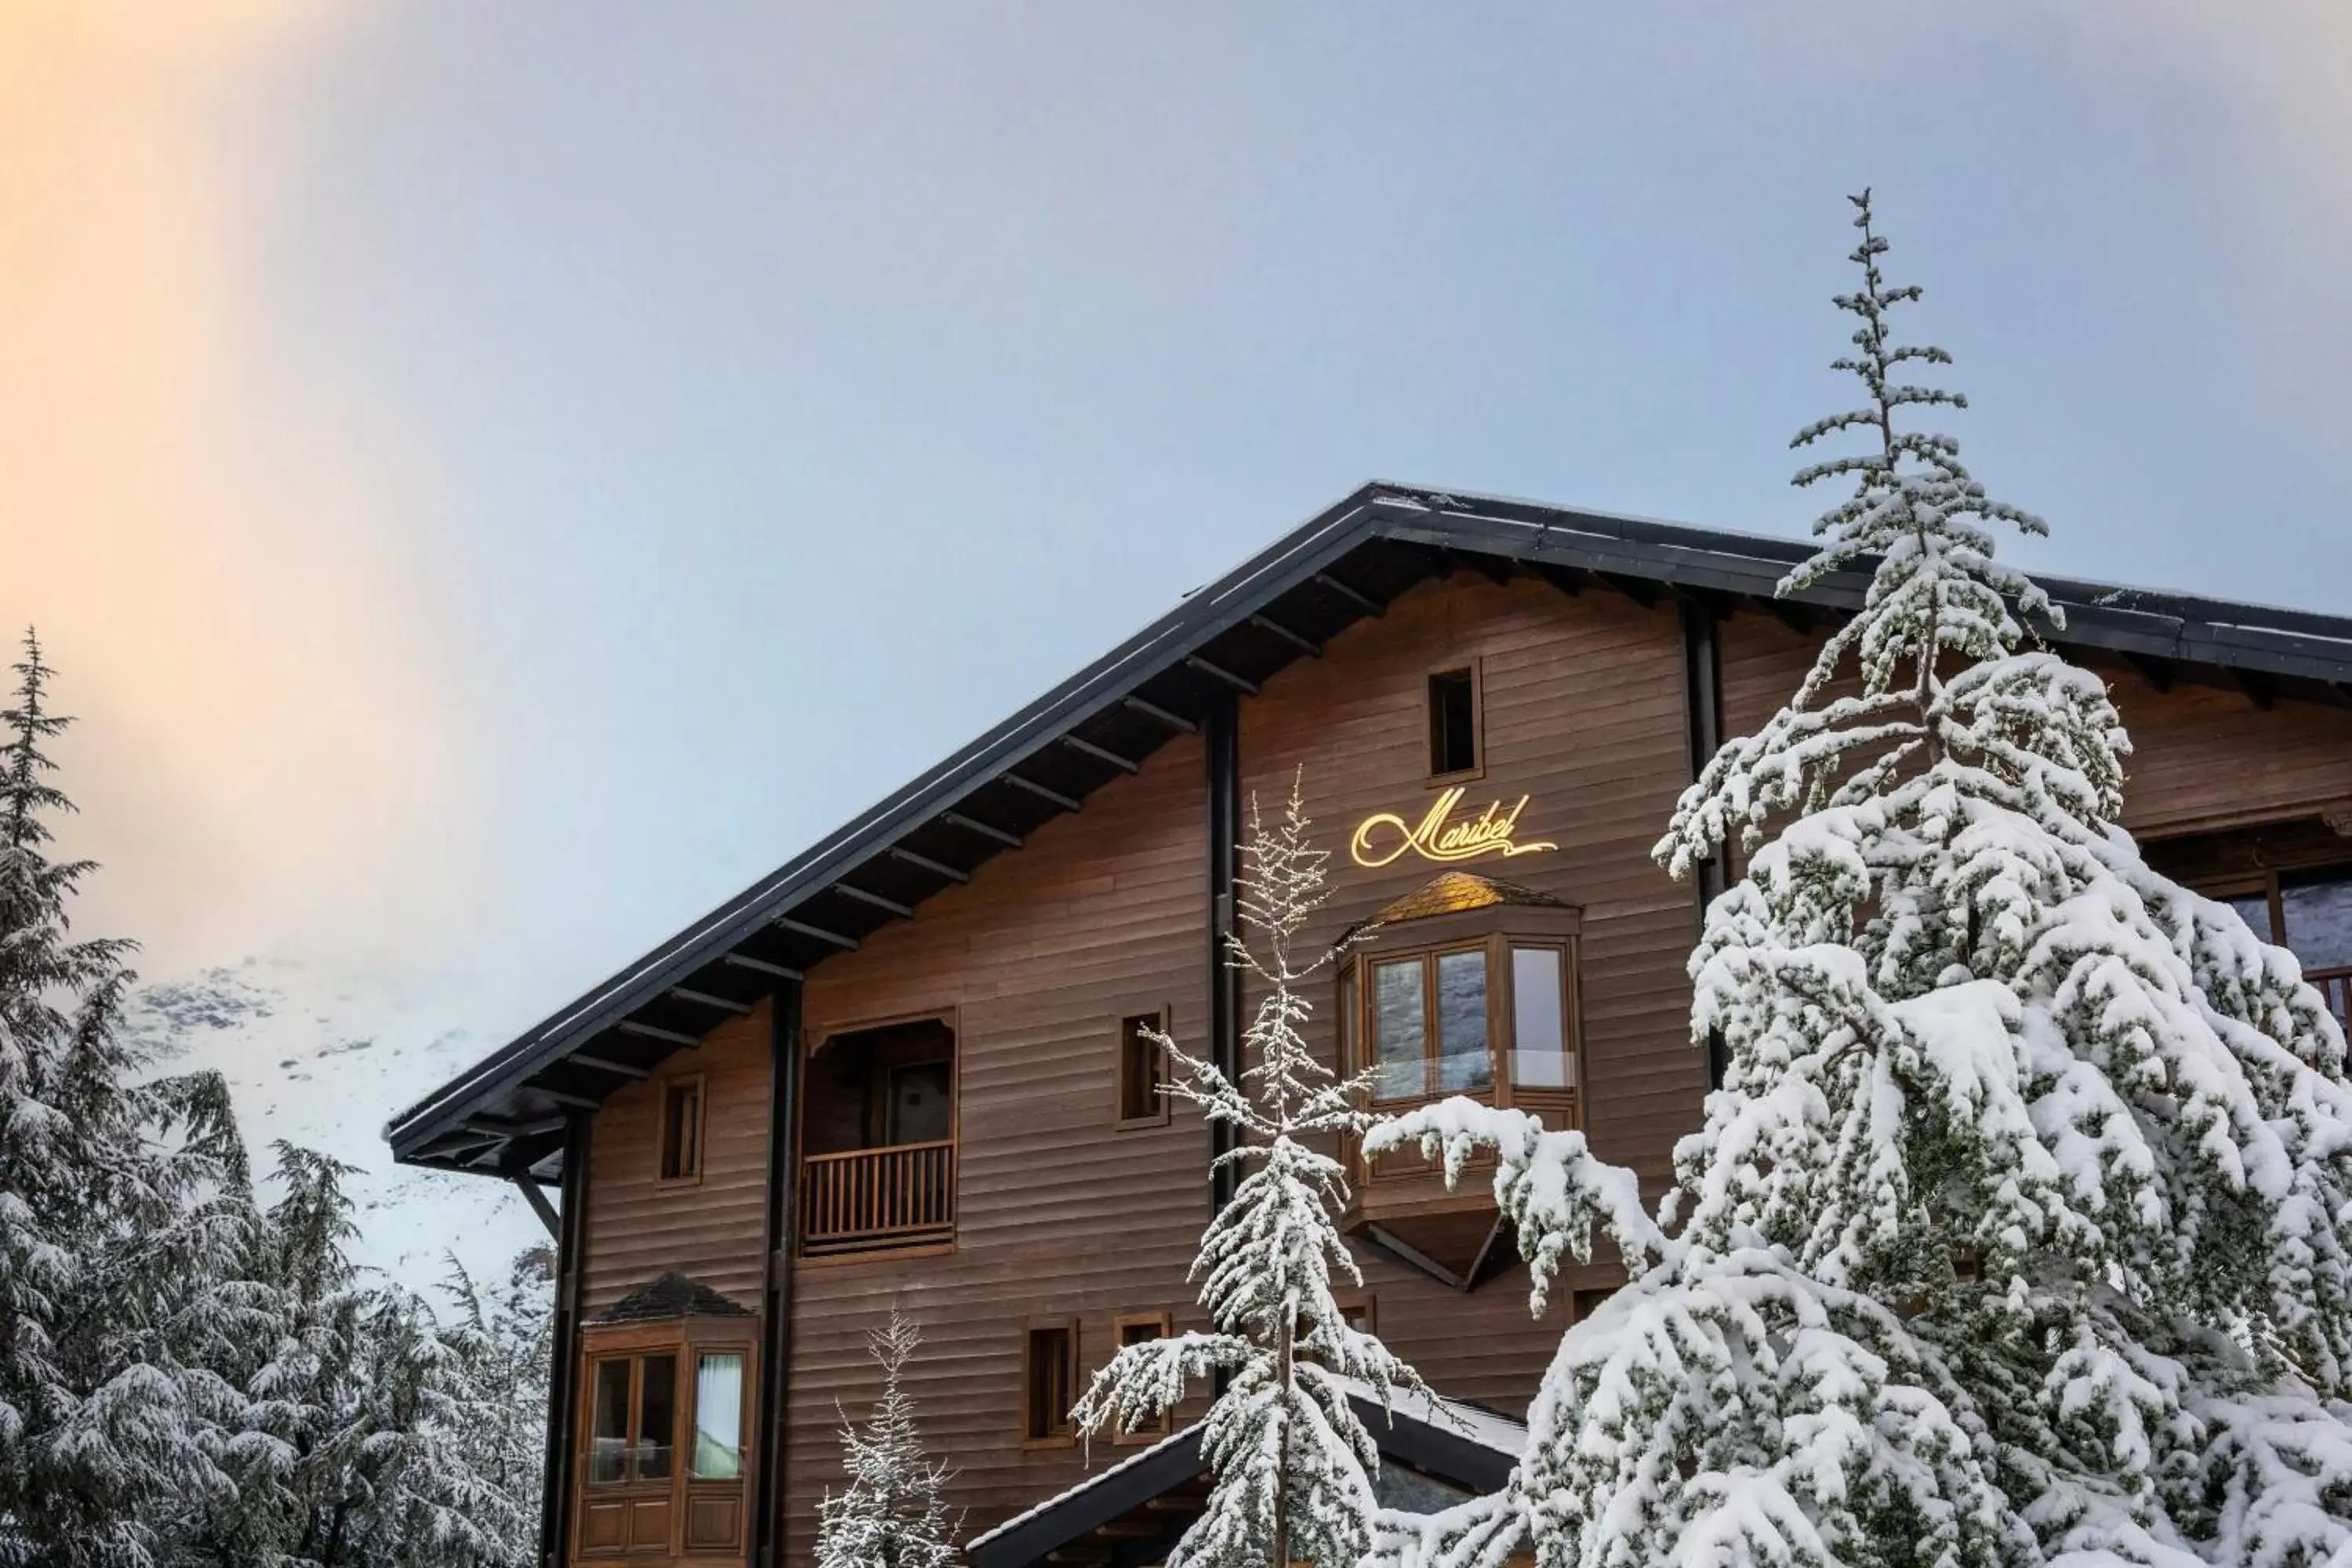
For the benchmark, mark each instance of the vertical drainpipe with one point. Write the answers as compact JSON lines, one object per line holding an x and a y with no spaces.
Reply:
{"x":1224,"y":749}
{"x":1702,"y":705}
{"x":776,"y":1299}
{"x":563,"y":1337}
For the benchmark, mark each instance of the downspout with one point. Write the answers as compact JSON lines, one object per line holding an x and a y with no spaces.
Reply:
{"x":1224,"y":750}
{"x":776,"y":1299}
{"x":563,"y":1337}
{"x":1702,"y":708}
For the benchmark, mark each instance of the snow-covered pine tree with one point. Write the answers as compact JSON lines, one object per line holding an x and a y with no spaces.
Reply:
{"x":893,"y":1512}
{"x":121,"y":1198}
{"x":2017,"y":1233}
{"x":1293,"y":1463}
{"x":368,"y":1432}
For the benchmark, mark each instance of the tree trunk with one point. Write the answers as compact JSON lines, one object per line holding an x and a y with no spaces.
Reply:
{"x":1281,"y":1558}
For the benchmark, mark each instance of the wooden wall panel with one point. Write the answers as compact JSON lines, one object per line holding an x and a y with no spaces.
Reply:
{"x":1103,"y":914}
{"x":1584,"y":712}
{"x":639,"y":1227}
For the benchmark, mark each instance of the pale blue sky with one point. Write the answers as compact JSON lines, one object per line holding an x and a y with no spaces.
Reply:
{"x":633,"y":438}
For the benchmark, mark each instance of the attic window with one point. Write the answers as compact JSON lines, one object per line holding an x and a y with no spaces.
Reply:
{"x":1454,"y":722}
{"x":681,"y":1130}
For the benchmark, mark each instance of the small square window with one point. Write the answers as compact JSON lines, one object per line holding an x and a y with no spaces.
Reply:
{"x":1050,"y":1379}
{"x":1454,"y":722}
{"x":1142,"y":1070}
{"x":1584,"y":1303}
{"x":1356,"y":1312}
{"x":681,"y":1130}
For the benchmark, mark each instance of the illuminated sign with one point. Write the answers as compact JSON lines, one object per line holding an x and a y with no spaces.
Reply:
{"x":1435,"y":838}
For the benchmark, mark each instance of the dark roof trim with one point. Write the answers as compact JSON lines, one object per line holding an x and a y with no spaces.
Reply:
{"x":1423,"y":1445}
{"x":2312,"y":652}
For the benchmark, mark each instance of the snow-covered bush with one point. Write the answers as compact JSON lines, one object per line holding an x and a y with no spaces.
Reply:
{"x":2017,"y":1232}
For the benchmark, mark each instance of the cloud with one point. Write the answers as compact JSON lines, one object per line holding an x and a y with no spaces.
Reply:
{"x":208,"y":546}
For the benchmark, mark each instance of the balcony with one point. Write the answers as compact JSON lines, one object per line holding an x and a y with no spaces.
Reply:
{"x":877,"y":1168}
{"x":865,"y":1200}
{"x":2335,"y":988}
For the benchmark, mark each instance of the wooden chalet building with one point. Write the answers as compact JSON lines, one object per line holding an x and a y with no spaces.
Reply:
{"x":907,"y":1068}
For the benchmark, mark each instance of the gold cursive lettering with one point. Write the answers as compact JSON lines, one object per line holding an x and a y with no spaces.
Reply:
{"x":1434,"y":837}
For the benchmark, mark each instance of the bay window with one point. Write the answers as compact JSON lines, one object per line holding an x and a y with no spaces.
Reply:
{"x":1467,"y":986}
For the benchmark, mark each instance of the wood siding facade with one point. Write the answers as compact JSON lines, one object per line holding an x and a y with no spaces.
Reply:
{"x":1062,"y":1214}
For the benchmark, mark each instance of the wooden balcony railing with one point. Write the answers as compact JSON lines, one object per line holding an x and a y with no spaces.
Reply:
{"x":869,"y":1199}
{"x":2335,"y":986}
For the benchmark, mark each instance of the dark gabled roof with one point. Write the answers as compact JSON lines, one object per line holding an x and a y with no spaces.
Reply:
{"x":673,"y":1295}
{"x":505,"y":1113}
{"x":1470,"y":1447}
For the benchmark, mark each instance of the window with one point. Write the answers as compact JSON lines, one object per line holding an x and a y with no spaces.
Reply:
{"x":2309,"y":913}
{"x":1478,"y":997}
{"x":1142,"y":1327}
{"x":681,"y":1130}
{"x":1356,"y":1312}
{"x":1142,"y":1070}
{"x":1454,"y":722}
{"x":718,"y":1417}
{"x":634,"y":1430}
{"x":664,"y":1436}
{"x":1050,"y":1380}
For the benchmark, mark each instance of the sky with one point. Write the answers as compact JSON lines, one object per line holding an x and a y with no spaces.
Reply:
{"x":495,"y":480}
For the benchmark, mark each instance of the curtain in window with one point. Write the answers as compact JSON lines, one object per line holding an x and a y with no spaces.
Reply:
{"x":717,"y":1418}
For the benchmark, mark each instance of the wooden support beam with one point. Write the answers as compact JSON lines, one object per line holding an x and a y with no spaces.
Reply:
{"x":500,"y":1127}
{"x":1176,"y":721}
{"x":925,"y":863}
{"x":528,"y":1187}
{"x":888,"y":905}
{"x":761,"y":967}
{"x":1247,"y":688}
{"x":1490,"y":1257}
{"x":705,"y":999}
{"x":1569,"y":580}
{"x":1796,"y":618}
{"x":2160,"y":673}
{"x":847,"y":943}
{"x":606,"y":1063}
{"x":654,"y":1032}
{"x":1051,"y":796}
{"x":1101,"y":754}
{"x":1354,"y":595}
{"x":972,"y":825}
{"x":2257,"y":687}
{"x":1641,"y":590}
{"x":564,"y":1097}
{"x":1412,"y":1256}
{"x":1298,"y":640}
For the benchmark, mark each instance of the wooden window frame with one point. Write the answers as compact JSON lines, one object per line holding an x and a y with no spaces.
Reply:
{"x":1476,"y":668}
{"x":687,"y":1340}
{"x":1165,"y":1322}
{"x":667,"y":1086}
{"x":1121,"y":1122}
{"x":1029,"y":1424}
{"x":1359,"y":1301}
{"x":1495,"y":930}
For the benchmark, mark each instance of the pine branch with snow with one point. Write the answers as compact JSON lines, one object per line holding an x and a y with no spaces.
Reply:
{"x":1293,"y":1463}
{"x":893,"y":1513}
{"x":2017,"y":1231}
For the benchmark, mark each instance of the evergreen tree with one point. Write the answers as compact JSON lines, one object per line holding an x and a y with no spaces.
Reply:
{"x":1293,"y":1463}
{"x":892,"y":1514}
{"x":121,"y":1194}
{"x":2016,"y":1233}
{"x":367,"y":1432}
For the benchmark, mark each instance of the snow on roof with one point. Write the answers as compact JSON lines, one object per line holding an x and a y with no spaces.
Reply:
{"x":1093,"y":1478}
{"x":1473,"y":1422}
